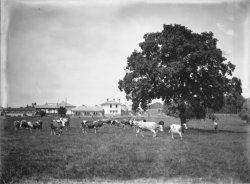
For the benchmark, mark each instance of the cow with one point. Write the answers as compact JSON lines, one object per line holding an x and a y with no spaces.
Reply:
{"x":27,"y":125}
{"x":115,"y":122}
{"x":107,"y":121}
{"x":124,"y":122}
{"x":56,"y":127}
{"x":31,"y":125}
{"x":91,"y":125}
{"x":147,"y":125}
{"x":66,"y":120}
{"x":37,"y":125}
{"x":175,"y":128}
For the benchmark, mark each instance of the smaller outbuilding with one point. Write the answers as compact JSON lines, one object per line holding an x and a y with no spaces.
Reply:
{"x":52,"y":108}
{"x":19,"y":112}
{"x":154,"y":108}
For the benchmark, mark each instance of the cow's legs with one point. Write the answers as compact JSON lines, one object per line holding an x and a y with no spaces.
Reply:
{"x":137,"y":130}
{"x":142,"y":132}
{"x":172,"y":135}
{"x":154,"y":133}
{"x":180,"y":135}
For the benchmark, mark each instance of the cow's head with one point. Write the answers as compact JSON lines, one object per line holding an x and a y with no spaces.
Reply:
{"x":161,"y":128}
{"x":161,"y":123}
{"x":63,"y":122}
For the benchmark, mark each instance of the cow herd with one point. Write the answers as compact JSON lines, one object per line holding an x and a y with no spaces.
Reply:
{"x":58,"y":125}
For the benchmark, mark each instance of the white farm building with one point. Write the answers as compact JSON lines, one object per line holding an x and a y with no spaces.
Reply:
{"x":113,"y":108}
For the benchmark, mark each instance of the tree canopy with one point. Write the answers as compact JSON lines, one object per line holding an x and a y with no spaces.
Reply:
{"x":184,"y":69}
{"x":62,"y":111}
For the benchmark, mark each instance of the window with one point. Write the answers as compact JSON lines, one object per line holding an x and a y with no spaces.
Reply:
{"x":116,"y":106}
{"x":110,"y":106}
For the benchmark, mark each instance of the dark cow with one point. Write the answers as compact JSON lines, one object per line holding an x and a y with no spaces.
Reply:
{"x":38,"y":125}
{"x":31,"y":125}
{"x":57,"y":126}
{"x":124,"y":122}
{"x":91,"y":125}
{"x":107,"y":121}
{"x":115,"y":122}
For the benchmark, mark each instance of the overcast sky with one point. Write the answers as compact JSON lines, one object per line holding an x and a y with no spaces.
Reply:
{"x":52,"y":50}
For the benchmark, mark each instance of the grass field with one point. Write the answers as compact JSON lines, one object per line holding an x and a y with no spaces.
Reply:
{"x":116,"y":155}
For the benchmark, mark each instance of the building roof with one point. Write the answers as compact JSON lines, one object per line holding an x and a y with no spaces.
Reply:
{"x":111,"y":102}
{"x":18,"y":109}
{"x":65,"y":104}
{"x":48,"y":106}
{"x":87,"y":109}
{"x":54,"y":105}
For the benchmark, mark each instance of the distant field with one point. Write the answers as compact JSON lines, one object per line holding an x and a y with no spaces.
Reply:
{"x":116,"y":155}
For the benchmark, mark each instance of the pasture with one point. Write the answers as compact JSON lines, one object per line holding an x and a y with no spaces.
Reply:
{"x":116,"y":155}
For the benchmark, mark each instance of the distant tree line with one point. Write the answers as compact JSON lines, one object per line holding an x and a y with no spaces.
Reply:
{"x":245,"y":111}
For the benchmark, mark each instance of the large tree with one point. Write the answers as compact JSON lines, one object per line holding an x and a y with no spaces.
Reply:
{"x":184,"y":69}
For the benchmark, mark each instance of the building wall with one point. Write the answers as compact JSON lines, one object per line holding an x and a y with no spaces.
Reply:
{"x":14,"y":114}
{"x":88,"y":114}
{"x":20,"y":113}
{"x":112,"y":109}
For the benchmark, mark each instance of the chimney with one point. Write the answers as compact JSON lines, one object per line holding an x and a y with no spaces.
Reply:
{"x":119,"y":100}
{"x":107,"y":99}
{"x":113,"y":99}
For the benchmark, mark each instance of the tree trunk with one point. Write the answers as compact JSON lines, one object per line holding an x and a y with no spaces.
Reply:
{"x":183,"y":121}
{"x":183,"y":118}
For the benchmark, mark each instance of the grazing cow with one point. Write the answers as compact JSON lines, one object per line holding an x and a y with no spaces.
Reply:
{"x":124,"y":122}
{"x":116,"y":122}
{"x":56,"y":127}
{"x":91,"y":125}
{"x":66,"y":120}
{"x":37,"y":125}
{"x":174,"y":128}
{"x":151,"y":126}
{"x":27,"y":125}
{"x":107,"y":121}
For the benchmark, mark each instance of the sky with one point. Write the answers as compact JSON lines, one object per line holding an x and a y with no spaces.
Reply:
{"x":77,"y":50}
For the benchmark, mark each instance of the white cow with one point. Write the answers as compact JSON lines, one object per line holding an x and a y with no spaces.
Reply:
{"x":174,"y":128}
{"x":151,"y":126}
{"x":56,"y":126}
